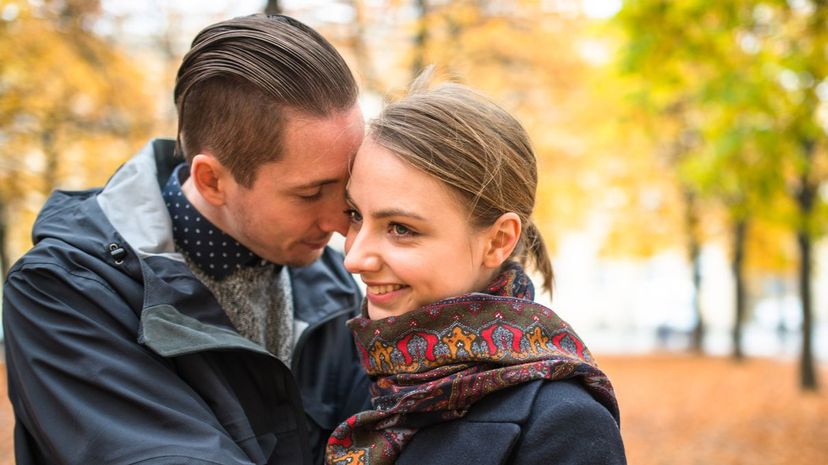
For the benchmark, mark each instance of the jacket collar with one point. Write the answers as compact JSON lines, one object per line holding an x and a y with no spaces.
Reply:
{"x":132,"y":202}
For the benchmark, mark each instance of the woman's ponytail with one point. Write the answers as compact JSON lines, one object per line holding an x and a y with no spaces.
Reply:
{"x":536,"y":250}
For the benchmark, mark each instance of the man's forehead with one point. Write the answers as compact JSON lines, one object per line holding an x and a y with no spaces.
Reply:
{"x":312,"y":140}
{"x":315,"y":172}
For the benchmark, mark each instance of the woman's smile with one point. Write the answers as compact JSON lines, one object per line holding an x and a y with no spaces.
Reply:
{"x":381,"y":289}
{"x":385,"y":295}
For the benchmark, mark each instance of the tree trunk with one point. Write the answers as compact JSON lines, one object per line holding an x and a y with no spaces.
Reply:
{"x":694,"y":255}
{"x":808,"y":379}
{"x":4,"y":255}
{"x":805,"y":202}
{"x":738,"y":264}
{"x":361,"y":52}
{"x":273,"y":8}
{"x":420,"y":38}
{"x":50,"y":172}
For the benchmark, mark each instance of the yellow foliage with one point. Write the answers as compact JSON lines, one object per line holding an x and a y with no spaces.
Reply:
{"x":72,"y":108}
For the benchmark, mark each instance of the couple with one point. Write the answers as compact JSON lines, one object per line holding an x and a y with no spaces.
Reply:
{"x":190,"y":312}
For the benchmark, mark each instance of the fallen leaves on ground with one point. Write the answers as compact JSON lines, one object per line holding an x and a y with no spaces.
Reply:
{"x":693,"y":410}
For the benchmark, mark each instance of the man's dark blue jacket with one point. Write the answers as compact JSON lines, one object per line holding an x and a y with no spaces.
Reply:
{"x":116,"y":353}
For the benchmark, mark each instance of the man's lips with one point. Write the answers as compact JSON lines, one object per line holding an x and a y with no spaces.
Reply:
{"x":318,"y":244}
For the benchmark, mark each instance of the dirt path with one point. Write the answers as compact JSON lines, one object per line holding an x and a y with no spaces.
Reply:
{"x":678,"y":410}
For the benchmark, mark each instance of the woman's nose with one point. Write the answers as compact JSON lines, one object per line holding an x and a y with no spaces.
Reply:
{"x":361,"y":255}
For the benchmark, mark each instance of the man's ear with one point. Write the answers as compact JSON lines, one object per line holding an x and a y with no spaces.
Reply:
{"x":210,"y":178}
{"x":501,"y":239}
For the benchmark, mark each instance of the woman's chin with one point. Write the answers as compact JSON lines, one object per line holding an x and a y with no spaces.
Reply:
{"x":389,"y":304}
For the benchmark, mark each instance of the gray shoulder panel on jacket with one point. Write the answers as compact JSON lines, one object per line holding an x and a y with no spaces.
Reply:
{"x":169,"y":333}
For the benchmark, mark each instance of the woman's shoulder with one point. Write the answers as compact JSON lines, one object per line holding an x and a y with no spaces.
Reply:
{"x":541,"y":398}
{"x":569,"y":424}
{"x":570,"y":398}
{"x":526,"y":424}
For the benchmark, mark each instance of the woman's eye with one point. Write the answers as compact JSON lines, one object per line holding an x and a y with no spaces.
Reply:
{"x":353,"y":215}
{"x":401,"y":230}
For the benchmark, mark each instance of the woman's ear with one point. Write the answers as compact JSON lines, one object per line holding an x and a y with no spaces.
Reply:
{"x":209,"y":177}
{"x":501,"y":239}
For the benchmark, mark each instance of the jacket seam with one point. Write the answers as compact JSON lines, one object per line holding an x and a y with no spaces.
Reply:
{"x":173,"y":456}
{"x":35,"y":266}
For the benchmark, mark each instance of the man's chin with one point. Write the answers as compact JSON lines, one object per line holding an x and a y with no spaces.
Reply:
{"x":305,"y":259}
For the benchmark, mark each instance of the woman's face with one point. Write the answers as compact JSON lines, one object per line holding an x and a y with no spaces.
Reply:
{"x":409,"y":239}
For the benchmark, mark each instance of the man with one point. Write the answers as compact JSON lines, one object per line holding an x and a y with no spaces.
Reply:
{"x":192,"y":313}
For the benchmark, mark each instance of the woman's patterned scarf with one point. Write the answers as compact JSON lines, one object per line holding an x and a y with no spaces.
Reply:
{"x":431,"y":364}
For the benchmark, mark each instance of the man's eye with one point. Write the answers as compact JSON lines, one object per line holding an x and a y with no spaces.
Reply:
{"x":315,"y":196}
{"x":353,"y":215}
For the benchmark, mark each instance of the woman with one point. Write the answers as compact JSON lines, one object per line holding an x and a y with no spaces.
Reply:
{"x":465,"y":367}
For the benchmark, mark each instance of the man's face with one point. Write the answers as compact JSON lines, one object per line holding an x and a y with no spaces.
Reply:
{"x":296,"y":203}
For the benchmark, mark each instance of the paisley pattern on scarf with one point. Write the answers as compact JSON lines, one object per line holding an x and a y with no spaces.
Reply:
{"x":432,"y":364}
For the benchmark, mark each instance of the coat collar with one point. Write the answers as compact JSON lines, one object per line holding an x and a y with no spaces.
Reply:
{"x":133,"y":204}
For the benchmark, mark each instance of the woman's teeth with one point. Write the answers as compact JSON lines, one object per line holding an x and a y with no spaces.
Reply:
{"x":385,"y":289}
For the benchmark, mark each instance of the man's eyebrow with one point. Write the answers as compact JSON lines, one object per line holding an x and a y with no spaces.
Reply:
{"x":388,"y":212}
{"x":317,"y":183}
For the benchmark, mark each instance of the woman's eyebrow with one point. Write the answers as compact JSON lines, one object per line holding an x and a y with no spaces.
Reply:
{"x":386,"y":213}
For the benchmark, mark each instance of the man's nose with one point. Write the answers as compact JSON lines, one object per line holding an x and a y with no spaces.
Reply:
{"x":333,"y":217}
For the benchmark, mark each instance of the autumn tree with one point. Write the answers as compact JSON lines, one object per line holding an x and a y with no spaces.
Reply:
{"x":70,"y":102}
{"x":750,"y":71}
{"x":797,"y":37}
{"x":661,"y":77}
{"x":494,"y":47}
{"x":273,"y":7}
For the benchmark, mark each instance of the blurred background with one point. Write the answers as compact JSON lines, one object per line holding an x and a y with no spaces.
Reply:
{"x":682,"y":154}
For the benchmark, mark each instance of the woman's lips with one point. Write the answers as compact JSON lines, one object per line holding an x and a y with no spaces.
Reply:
{"x":383,"y":294}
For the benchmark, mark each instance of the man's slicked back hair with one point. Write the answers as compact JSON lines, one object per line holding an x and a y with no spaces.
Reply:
{"x":238,"y":78}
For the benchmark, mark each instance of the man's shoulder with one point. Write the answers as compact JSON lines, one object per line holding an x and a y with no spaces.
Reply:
{"x":56,"y":261}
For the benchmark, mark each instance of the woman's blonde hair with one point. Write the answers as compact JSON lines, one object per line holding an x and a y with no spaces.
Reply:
{"x":478,"y":149}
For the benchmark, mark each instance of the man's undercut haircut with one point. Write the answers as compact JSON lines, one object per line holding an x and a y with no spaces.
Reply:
{"x":238,"y":78}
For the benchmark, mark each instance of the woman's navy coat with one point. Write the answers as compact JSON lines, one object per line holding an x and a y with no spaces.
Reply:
{"x":542,"y":422}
